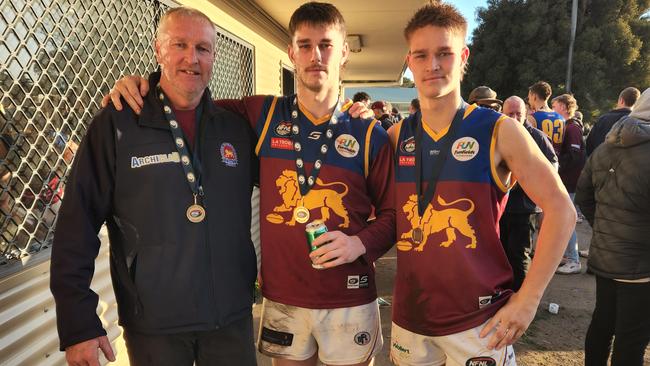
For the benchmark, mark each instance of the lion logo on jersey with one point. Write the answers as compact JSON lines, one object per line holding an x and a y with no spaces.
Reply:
{"x":433,"y":221}
{"x":325,"y":199}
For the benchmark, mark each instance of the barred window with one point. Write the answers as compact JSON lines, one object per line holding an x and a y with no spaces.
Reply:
{"x":59,"y":57}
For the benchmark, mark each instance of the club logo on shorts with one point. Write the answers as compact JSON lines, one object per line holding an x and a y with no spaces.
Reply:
{"x":228,"y":155}
{"x":481,"y":361}
{"x":283,"y":129}
{"x":347,"y":146}
{"x":408,"y":146}
{"x":484,"y":301}
{"x":362,"y":338}
{"x":465,"y":148}
{"x":358,"y":281}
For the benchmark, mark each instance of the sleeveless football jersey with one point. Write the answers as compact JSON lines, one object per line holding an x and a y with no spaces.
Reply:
{"x":552,"y":124}
{"x":356,"y":175}
{"x":459,"y":275}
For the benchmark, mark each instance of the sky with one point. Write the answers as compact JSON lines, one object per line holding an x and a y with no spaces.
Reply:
{"x":468,"y":9}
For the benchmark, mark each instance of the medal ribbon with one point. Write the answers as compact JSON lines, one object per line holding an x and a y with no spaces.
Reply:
{"x":438,"y":162}
{"x":191,"y":163}
{"x":306,"y":183}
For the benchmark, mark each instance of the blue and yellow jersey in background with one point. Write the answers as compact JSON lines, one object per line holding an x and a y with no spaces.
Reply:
{"x":356,"y":176}
{"x":552,"y":124}
{"x":459,"y":275}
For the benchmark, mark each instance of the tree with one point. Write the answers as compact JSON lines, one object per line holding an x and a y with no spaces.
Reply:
{"x":519,"y":42}
{"x":407,"y":83}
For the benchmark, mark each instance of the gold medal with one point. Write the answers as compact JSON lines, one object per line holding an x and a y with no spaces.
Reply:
{"x":301,"y":214}
{"x":417,"y":235}
{"x":195,"y":213}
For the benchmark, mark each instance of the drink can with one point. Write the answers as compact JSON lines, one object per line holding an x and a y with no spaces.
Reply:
{"x":313,"y":230}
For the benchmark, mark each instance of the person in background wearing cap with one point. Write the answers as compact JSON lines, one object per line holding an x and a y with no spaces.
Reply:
{"x":381,"y":114}
{"x":543,"y":117}
{"x":485,"y":97}
{"x":516,"y":224}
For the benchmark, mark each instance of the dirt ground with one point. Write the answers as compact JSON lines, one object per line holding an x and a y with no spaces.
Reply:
{"x":551,"y":340}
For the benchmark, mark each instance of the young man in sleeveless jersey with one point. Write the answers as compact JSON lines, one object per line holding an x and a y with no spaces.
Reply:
{"x":543,"y":117}
{"x":318,"y":163}
{"x":454,"y":165}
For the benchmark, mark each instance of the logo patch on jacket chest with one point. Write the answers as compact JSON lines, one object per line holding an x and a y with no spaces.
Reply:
{"x":140,"y":161}
{"x":228,"y":155}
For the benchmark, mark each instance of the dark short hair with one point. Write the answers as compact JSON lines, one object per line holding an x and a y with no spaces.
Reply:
{"x":415,"y":103}
{"x":316,"y":14}
{"x":437,"y":14}
{"x":630,"y":95}
{"x":542,"y":89}
{"x":360,"y":96}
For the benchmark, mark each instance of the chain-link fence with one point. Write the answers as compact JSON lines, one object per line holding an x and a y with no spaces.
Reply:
{"x":58,"y":58}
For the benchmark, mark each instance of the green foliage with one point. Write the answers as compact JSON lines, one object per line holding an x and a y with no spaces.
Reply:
{"x":519,"y":42}
{"x":407,"y":83}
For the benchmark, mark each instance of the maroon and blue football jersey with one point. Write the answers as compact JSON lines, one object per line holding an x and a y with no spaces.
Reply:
{"x":454,"y":275}
{"x":357,"y":175}
{"x":552,"y":124}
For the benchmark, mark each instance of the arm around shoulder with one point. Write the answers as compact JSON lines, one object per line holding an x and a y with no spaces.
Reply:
{"x":379,"y":236}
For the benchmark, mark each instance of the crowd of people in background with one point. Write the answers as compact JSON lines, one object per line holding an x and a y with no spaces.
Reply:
{"x":383,"y":110}
{"x":610,"y":188}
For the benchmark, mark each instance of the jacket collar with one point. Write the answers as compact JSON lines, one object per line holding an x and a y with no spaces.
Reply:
{"x":621,"y":110}
{"x":152,"y":111}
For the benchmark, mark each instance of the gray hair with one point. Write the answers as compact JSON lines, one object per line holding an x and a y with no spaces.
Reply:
{"x":182,"y":11}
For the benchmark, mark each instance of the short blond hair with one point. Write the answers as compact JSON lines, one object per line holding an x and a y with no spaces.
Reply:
{"x":569,"y":102}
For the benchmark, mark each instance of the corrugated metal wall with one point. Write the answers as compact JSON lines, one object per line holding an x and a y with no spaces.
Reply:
{"x":28,"y":333}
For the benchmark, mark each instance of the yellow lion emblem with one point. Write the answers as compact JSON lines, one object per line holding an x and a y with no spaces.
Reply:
{"x":325,"y":199}
{"x":433,"y":221}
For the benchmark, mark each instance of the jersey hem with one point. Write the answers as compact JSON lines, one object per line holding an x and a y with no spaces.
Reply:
{"x":321,"y":305}
{"x":471,"y":323}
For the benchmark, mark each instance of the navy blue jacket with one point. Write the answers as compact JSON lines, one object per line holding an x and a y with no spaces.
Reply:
{"x":169,"y":275}
{"x":602,"y":127}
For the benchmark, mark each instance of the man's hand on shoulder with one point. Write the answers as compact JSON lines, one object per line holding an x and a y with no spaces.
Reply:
{"x":360,"y":110}
{"x":132,"y":88}
{"x":85,"y":353}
